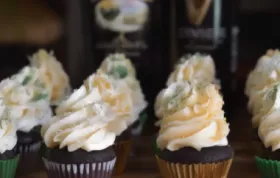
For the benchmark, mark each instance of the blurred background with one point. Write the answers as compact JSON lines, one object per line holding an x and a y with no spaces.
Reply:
{"x":65,"y":27}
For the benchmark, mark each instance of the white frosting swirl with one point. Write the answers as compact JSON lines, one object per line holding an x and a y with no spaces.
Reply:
{"x":51,"y":72}
{"x":118,"y":65}
{"x":121,"y":69}
{"x":26,"y":98}
{"x":8,"y":137}
{"x":197,"y":67}
{"x":192,"y":117}
{"x":262,"y":78}
{"x":87,"y":129}
{"x":269,"y":124}
{"x":100,"y":87}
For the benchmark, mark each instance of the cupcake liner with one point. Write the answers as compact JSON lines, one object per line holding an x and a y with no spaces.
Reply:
{"x":29,"y":158}
{"x":211,"y":170}
{"x":8,"y":167}
{"x":122,"y":150}
{"x":155,"y":147}
{"x":82,"y":170}
{"x":268,"y":168}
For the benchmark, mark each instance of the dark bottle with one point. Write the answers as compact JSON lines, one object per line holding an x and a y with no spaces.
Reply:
{"x":206,"y":26}
{"x":131,"y":27}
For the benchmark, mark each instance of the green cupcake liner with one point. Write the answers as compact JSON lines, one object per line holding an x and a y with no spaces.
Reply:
{"x":155,"y":147}
{"x":268,"y":168}
{"x":8,"y":167}
{"x":143,"y":118}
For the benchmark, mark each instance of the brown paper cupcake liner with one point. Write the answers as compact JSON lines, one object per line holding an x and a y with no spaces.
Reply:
{"x":211,"y":170}
{"x":82,"y":170}
{"x":29,"y":158}
{"x":122,"y":150}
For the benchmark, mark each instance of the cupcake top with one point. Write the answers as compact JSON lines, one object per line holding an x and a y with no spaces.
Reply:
{"x":8,"y":137}
{"x":118,"y":66}
{"x":197,"y":67}
{"x":262,"y":78}
{"x":51,"y":72}
{"x":87,"y":129}
{"x":26,"y":98}
{"x":269,"y":123}
{"x":100,"y":87}
{"x":192,"y":117}
{"x":121,"y":69}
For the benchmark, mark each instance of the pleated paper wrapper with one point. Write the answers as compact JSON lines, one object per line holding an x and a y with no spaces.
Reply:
{"x":82,"y":170}
{"x":211,"y":170}
{"x":8,"y":167}
{"x":29,"y":158}
{"x":268,"y":168}
{"x":122,"y":150}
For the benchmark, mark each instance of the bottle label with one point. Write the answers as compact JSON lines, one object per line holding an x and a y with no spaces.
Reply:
{"x":199,"y":25}
{"x":122,"y":26}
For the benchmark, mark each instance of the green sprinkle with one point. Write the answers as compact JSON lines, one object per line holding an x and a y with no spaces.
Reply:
{"x":40,"y":97}
{"x":119,"y":71}
{"x":26,"y":80}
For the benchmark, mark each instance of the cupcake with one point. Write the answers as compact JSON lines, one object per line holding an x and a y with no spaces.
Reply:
{"x":101,"y":87}
{"x":197,"y":67}
{"x":121,"y":69}
{"x":28,"y":103}
{"x":259,"y":84}
{"x":268,"y":161}
{"x":261,"y":79}
{"x":52,"y":74}
{"x":193,"y":133}
{"x":79,"y":144}
{"x":8,"y":139}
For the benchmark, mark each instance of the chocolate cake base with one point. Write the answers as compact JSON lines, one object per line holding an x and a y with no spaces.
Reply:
{"x":28,"y":138}
{"x":78,"y":156}
{"x":269,"y":154}
{"x":28,"y":147}
{"x":7,"y":155}
{"x":126,"y":135}
{"x":60,"y":163}
{"x":189,"y":155}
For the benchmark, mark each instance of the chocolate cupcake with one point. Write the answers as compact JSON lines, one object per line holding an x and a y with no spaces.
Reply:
{"x":193,"y":133}
{"x":268,"y":161}
{"x":79,"y":144}
{"x":101,"y":87}
{"x":261,"y":80}
{"x":27,"y":100}
{"x":8,"y":139}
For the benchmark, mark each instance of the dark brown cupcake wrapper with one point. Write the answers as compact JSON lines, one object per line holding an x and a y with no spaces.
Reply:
{"x":29,"y":158}
{"x":82,"y":170}
{"x":209,"y":170}
{"x":122,"y":150}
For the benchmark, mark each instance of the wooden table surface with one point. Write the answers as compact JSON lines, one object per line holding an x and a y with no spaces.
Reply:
{"x":142,"y":163}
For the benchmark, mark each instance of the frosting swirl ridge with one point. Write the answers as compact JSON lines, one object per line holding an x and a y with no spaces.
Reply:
{"x":192,"y":117}
{"x":8,"y":137}
{"x":197,"y":67}
{"x":51,"y":72}
{"x":26,"y":98}
{"x":88,"y":129}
